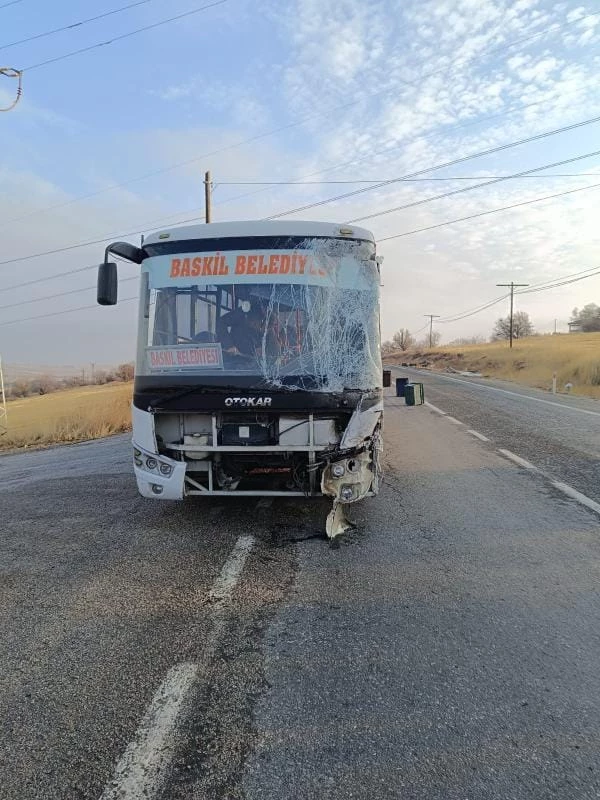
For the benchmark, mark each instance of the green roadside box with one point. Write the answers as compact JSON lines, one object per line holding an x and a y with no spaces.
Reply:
{"x":414,"y":394}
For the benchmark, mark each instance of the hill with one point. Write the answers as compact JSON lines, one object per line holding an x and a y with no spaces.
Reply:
{"x":70,"y":415}
{"x":574,"y":357}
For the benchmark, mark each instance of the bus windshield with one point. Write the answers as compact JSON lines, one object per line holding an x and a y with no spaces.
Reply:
{"x":294,"y":317}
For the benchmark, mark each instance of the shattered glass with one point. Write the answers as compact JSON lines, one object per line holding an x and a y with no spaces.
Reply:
{"x":316,"y":330}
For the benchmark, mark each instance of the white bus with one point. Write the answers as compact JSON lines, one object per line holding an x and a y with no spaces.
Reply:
{"x":258,"y":368}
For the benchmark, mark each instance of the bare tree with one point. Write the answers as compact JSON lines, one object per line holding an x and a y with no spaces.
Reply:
{"x":462,"y":340}
{"x":436,"y":338}
{"x":387,"y":347}
{"x":403,"y":339}
{"x":521,"y":326}
{"x":44,"y":384}
{"x":124,"y":372}
{"x":20,"y":388}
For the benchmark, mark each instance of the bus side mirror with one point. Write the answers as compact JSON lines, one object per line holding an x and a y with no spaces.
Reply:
{"x":107,"y":284}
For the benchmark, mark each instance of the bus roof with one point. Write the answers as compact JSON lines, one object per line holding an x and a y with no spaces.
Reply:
{"x":217,"y":230}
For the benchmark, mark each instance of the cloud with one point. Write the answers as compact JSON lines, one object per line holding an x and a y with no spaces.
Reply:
{"x":384,"y":88}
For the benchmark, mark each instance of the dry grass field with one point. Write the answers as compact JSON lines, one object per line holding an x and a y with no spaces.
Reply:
{"x":575,"y":358}
{"x":71,"y":415}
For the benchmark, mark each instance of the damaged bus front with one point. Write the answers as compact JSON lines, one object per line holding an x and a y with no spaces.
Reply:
{"x":258,"y":367}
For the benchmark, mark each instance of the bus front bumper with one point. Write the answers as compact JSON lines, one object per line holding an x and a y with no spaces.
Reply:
{"x":157,"y":476}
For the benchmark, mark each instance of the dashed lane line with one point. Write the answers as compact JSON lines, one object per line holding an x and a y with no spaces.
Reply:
{"x":517,"y":459}
{"x":435,"y":408}
{"x":575,"y":495}
{"x":142,"y":769}
{"x":522,"y":462}
{"x":232,"y":569}
{"x":467,"y":382}
{"x":478,"y":435}
{"x":140,"y":772}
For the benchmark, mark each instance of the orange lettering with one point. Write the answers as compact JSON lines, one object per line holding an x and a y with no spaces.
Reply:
{"x":262,"y":267}
{"x":185,"y":268}
{"x":284,"y":266}
{"x":273,"y":264}
{"x":175,"y":267}
{"x":207,"y":265}
{"x":251,"y":267}
{"x":223,"y":266}
{"x":302,"y":261}
{"x":196,"y":267}
{"x":240,"y":265}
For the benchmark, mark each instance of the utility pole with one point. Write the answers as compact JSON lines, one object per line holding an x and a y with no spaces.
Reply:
{"x":207,"y":197}
{"x":92,"y":371}
{"x":512,"y":285}
{"x":3,"y":411}
{"x":431,"y":318}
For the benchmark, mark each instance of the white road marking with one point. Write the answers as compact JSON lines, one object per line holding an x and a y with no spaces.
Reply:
{"x":454,"y":420}
{"x":575,"y":495}
{"x":140,"y":773}
{"x":478,"y":435}
{"x":518,"y":460}
{"x":435,"y":408}
{"x":514,"y":394}
{"x":232,"y":569}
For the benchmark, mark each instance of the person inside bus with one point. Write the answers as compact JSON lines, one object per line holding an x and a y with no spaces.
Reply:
{"x":241,"y":331}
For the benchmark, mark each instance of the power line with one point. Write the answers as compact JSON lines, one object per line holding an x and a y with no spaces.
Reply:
{"x":472,"y":312}
{"x":61,"y":294}
{"x":60,"y":313}
{"x":406,"y":180}
{"x":12,"y":3}
{"x":396,"y":145}
{"x":452,"y":163}
{"x":491,"y":211}
{"x":123,"y":36}
{"x":264,"y":135}
{"x":35,"y":281}
{"x":562,"y":282}
{"x":524,"y":173}
{"x":73,"y":25}
{"x":540,"y":287}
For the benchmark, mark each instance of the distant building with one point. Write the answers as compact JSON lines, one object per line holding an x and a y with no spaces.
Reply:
{"x":575,"y":327}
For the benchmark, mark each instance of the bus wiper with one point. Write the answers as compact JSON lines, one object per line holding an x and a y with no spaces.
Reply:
{"x":188,"y":390}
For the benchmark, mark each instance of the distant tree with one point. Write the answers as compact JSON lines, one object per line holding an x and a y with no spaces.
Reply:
{"x":462,"y":340}
{"x":436,"y":338}
{"x":75,"y":380}
{"x":100,"y":377}
{"x":522,"y":326}
{"x":588,"y":318}
{"x":19,"y":388}
{"x":44,"y":384}
{"x":387,"y":347}
{"x":403,"y":339}
{"x":124,"y":372}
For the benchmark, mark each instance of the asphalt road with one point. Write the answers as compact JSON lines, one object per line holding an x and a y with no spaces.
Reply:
{"x":447,"y":648}
{"x":559,"y":434}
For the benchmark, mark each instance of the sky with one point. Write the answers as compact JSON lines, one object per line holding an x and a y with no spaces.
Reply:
{"x":115,"y":140}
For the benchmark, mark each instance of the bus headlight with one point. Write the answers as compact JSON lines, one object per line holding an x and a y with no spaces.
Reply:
{"x":138,"y":461}
{"x":338,"y":469}
{"x":166,"y":469}
{"x":151,"y":463}
{"x":347,"y":492}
